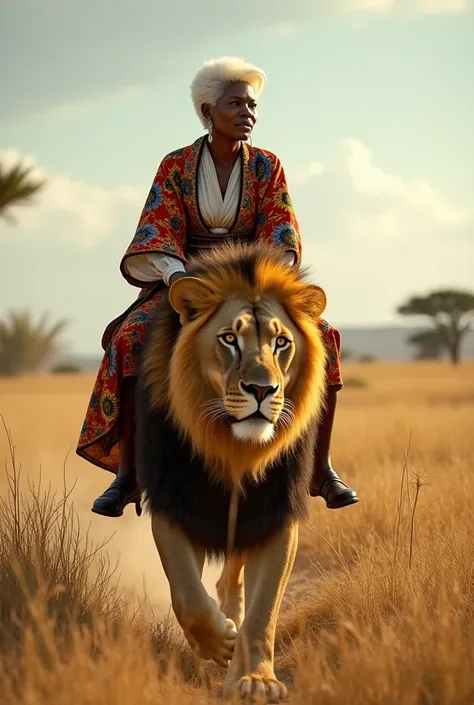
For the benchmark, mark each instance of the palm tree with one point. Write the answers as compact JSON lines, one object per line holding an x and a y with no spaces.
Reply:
{"x":26,"y":346}
{"x":17,"y":187}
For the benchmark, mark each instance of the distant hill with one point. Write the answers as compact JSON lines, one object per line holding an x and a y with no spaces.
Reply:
{"x":386,"y":343}
{"x":389,"y":343}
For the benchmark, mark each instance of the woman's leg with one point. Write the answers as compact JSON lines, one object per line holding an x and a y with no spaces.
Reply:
{"x":325,"y":482}
{"x":107,"y":438}
{"x":124,"y":489}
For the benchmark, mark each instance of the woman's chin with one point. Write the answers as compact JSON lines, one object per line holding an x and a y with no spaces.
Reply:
{"x":242,"y":134}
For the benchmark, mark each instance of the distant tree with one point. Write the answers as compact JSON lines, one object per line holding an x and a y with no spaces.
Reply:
{"x":66,"y":368}
{"x":451,"y":312}
{"x":346,"y":354}
{"x":26,"y":346}
{"x":367,"y":358}
{"x":17,"y":187}
{"x":428,"y":343}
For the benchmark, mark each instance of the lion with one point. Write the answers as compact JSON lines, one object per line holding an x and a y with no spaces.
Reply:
{"x":231,"y":385}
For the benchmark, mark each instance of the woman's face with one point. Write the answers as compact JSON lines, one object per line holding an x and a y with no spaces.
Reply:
{"x":235,"y":114}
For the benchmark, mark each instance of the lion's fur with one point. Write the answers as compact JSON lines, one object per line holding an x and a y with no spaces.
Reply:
{"x":172,"y":371}
{"x":180,"y":459}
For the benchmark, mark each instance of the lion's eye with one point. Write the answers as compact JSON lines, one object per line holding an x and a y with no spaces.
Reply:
{"x":229,"y":339}
{"x":282,"y":342}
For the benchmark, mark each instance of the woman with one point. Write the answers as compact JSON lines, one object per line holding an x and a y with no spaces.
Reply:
{"x":219,"y":188}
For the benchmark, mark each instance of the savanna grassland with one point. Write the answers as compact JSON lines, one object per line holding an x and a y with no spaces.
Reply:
{"x":380,"y":606}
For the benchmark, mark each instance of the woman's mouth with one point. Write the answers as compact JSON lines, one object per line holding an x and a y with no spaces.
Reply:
{"x":244,"y":125}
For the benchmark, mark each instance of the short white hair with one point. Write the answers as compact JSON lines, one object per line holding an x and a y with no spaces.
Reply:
{"x":211,"y":81}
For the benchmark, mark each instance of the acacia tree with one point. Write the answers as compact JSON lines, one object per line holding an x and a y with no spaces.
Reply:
{"x":346,"y":354}
{"x":451,"y":312}
{"x":26,"y":346}
{"x":429,"y":344}
{"x":17,"y":187}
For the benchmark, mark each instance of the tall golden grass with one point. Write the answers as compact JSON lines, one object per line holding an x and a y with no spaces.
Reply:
{"x":380,"y":606}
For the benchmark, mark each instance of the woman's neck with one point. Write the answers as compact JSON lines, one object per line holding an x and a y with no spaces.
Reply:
{"x":224,"y":152}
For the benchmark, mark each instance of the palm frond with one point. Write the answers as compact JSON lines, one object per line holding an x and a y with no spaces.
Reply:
{"x":26,"y":345}
{"x":17,"y":187}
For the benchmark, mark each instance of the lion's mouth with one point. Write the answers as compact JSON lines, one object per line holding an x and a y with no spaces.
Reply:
{"x":256,"y":416}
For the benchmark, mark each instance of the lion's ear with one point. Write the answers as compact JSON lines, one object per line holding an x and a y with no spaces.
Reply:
{"x":315,"y":300}
{"x":187,"y":295}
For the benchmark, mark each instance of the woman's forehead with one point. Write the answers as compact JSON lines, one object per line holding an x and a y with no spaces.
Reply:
{"x":239,"y":89}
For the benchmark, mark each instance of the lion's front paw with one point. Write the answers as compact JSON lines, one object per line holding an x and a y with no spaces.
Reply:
{"x":257,"y":688}
{"x":209,"y":634}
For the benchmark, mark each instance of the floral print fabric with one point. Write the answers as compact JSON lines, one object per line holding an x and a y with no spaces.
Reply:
{"x":171,"y":223}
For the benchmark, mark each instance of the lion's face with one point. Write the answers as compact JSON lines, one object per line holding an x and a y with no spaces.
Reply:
{"x":249,"y":353}
{"x":245,"y":374}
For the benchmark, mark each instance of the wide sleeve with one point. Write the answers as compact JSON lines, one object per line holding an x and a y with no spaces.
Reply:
{"x":276,"y":218}
{"x":152,"y":267}
{"x":162,"y":224}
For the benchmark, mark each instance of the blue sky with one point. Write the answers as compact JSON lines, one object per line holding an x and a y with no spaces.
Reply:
{"x":369,"y":104}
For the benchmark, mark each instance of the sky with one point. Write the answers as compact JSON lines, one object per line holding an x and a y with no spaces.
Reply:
{"x":369,"y":105}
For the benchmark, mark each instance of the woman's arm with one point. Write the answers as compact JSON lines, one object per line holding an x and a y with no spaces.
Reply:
{"x":161,"y":228}
{"x":148,"y":268}
{"x":276,"y":219}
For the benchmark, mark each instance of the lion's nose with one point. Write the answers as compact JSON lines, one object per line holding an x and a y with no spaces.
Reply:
{"x":260,"y":392}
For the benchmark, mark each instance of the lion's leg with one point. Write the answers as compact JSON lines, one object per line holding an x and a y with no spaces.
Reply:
{"x":206,"y":628}
{"x":230,"y":590}
{"x":267,"y":570}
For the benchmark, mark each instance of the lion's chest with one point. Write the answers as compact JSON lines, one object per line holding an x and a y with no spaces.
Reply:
{"x":178,"y":484}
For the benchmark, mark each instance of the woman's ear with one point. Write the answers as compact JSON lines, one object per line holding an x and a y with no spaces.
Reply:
{"x":205,"y":108}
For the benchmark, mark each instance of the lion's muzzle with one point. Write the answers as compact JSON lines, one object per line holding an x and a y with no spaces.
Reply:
{"x":254,"y":409}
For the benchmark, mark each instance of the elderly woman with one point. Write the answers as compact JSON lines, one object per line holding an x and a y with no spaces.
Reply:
{"x":217,"y":189}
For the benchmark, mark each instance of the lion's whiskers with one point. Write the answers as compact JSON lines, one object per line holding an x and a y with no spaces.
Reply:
{"x":287,"y":413}
{"x":215,"y":401}
{"x":285,"y":419}
{"x":212,"y":410}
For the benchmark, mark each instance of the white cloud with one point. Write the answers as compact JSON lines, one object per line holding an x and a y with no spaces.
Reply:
{"x":389,"y":197}
{"x":313,"y":169}
{"x":422,"y":7}
{"x":69,"y":209}
{"x":349,"y":199}
{"x":360,"y":11}
{"x":443,"y":7}
{"x":373,"y":236}
{"x":368,"y":5}
{"x":416,"y":196}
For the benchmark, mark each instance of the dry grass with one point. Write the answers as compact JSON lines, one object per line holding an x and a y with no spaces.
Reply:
{"x":380,"y":608}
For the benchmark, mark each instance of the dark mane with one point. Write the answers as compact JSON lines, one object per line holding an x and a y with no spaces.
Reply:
{"x":243,"y":259}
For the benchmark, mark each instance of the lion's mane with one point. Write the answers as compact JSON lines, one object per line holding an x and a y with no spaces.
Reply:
{"x":178,"y":457}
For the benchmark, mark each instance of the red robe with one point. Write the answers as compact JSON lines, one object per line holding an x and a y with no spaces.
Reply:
{"x":171,"y":224}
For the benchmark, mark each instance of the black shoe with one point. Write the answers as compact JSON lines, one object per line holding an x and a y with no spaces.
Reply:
{"x":116,"y":497}
{"x":335,"y":493}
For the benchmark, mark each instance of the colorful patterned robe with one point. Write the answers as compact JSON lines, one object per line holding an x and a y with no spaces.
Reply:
{"x":171,"y":223}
